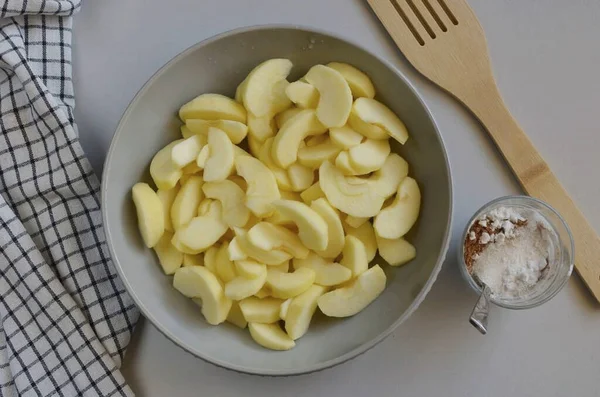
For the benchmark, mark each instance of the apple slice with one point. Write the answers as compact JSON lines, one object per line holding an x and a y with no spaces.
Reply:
{"x":149,"y":208}
{"x":303,"y":95}
{"x":224,"y":268}
{"x":220,"y":161}
{"x":314,"y":156}
{"x":345,"y":137}
{"x":335,"y":97}
{"x":312,"y":193}
{"x":261,"y":128}
{"x":349,"y":300}
{"x":301,"y":310}
{"x":192,"y":260}
{"x":202,"y":231}
{"x":281,"y":175}
{"x":342,"y":162}
{"x":186,"y":151}
{"x":388,"y":178}
{"x":312,"y":228}
{"x":370,"y":131}
{"x":374,"y":112}
{"x":236,"y":317}
{"x":369,"y":156}
{"x":354,"y":256}
{"x":185,"y":205}
{"x":289,"y":285}
{"x":182,"y":248}
{"x":169,"y":258}
{"x":232,"y":198}
{"x":264,"y":310}
{"x":284,"y":116}
{"x":199,"y":282}
{"x":272,"y":257}
{"x":360,"y":84}
{"x":241,"y":287}
{"x":335,"y":230}
{"x":301,"y":177}
{"x":262,"y":188}
{"x":396,"y":220}
{"x":284,"y":308}
{"x":166,"y":198}
{"x":203,"y":157}
{"x":270,"y":336}
{"x":236,"y":253}
{"x":396,"y":252}
{"x":260,"y":87}
{"x":267,"y":236}
{"x":210,"y":258}
{"x":235,"y":130}
{"x":264,"y":292}
{"x":249,"y":268}
{"x":287,"y":141}
{"x":162,"y":170}
{"x":213,"y":107}
{"x":327,"y":273}
{"x":355,"y":221}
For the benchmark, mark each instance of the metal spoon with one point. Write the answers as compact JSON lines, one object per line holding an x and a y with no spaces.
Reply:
{"x":479,"y":315}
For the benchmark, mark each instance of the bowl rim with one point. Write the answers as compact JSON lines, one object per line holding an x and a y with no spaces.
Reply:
{"x":314,"y":367}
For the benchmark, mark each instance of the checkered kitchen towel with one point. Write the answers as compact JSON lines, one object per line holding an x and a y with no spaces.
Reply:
{"x":65,"y":318}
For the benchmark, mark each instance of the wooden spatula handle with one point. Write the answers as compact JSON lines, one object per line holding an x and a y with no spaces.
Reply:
{"x":536,"y":177}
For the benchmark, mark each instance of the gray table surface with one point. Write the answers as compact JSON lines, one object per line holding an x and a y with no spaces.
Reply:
{"x":545,"y":55}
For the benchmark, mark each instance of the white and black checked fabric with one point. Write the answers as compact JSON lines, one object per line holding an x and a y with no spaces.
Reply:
{"x":65,"y":317}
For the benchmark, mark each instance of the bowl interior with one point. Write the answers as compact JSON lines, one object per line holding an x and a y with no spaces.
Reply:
{"x":219,"y":65}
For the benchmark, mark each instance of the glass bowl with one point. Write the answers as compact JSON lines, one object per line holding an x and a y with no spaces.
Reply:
{"x":559,"y":269}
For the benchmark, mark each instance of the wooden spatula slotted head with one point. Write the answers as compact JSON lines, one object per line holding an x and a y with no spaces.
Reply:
{"x":445,"y":42}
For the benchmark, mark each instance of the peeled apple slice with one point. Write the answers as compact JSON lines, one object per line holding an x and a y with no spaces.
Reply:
{"x":281,"y":175}
{"x":249,"y":268}
{"x":272,"y":257}
{"x":202,"y":231}
{"x":170,"y":259}
{"x":369,"y":156}
{"x":342,"y":162}
{"x":224,"y":268}
{"x":396,"y":252}
{"x":261,"y":128}
{"x":335,"y":230}
{"x":220,"y":161}
{"x":347,"y":301}
{"x":301,"y":310}
{"x":213,"y":107}
{"x":312,"y":228}
{"x":360,"y":84}
{"x":287,"y":141}
{"x":270,"y":336}
{"x":260,"y":88}
{"x":166,"y":198}
{"x":388,"y":178}
{"x":149,"y":208}
{"x":396,"y":220}
{"x":370,"y":131}
{"x":287,"y":114}
{"x":335,"y":97}
{"x":374,"y":112}
{"x":199,"y":282}
{"x":345,"y":137}
{"x":354,"y":256}
{"x":182,"y":248}
{"x":354,"y":221}
{"x":241,"y":287}
{"x":235,"y":251}
{"x":203,"y":157}
{"x":186,"y":151}
{"x":235,"y":130}
{"x":326,"y":273}
{"x":301,"y":177}
{"x":210,"y":258}
{"x":267,"y":236}
{"x":314,"y":156}
{"x":262,"y":188}
{"x":284,"y":308}
{"x":264,"y":310}
{"x":312,"y":193}
{"x":236,"y":317}
{"x":185,"y":205}
{"x":164,"y":173}
{"x":289,"y":285}
{"x":303,"y":94}
{"x":232,"y":198}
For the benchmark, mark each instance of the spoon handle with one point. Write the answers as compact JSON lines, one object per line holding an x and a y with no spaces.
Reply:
{"x":479,"y":315}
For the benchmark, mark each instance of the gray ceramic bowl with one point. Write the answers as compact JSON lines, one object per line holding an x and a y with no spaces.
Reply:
{"x":218,"y":65}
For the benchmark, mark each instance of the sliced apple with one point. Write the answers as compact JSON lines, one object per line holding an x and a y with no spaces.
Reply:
{"x":287,"y":141}
{"x":261,"y":128}
{"x":210,"y":258}
{"x":374,"y":112}
{"x":314,"y":156}
{"x":166,"y":198}
{"x":232,"y":198}
{"x":281,"y":118}
{"x":355,"y":221}
{"x":224,"y":268}
{"x":241,"y":287}
{"x":203,"y":157}
{"x":185,"y":205}
{"x":369,"y":156}
{"x":182,"y":248}
{"x":192,"y":260}
{"x":236,"y":317}
{"x":169,"y":257}
{"x":360,"y":84}
{"x":220,"y":161}
{"x":202,"y":231}
{"x":262,"y":187}
{"x":335,"y":97}
{"x":370,"y":131}
{"x":278,"y":219}
{"x":213,"y":107}
{"x":396,"y":252}
{"x":312,"y":228}
{"x":342,"y":162}
{"x":303,"y":95}
{"x":272,"y":257}
{"x":284,"y":308}
{"x":199,"y":282}
{"x":349,"y":300}
{"x":301,"y":310}
{"x":354,"y":256}
{"x":270,"y":336}
{"x":249,"y":268}
{"x":312,"y":193}
{"x":335,"y":230}
{"x":388,"y":178}
{"x":162,"y":170}
{"x":301,"y":177}
{"x":149,"y":208}
{"x":281,"y":175}
{"x":186,"y":151}
{"x":289,"y":285}
{"x":267,"y":236}
{"x":264,"y":292}
{"x":235,"y":130}
{"x":327,"y":272}
{"x":261,"y":86}
{"x":264,"y":310}
{"x":396,"y":220}
{"x":236,"y":253}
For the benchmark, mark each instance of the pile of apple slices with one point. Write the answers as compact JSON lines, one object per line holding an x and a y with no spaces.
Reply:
{"x":264,"y":238}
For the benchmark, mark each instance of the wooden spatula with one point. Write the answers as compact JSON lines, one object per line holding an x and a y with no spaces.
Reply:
{"x":445,"y":42}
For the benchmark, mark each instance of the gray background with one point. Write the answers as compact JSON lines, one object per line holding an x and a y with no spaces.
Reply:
{"x":545,"y":54}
